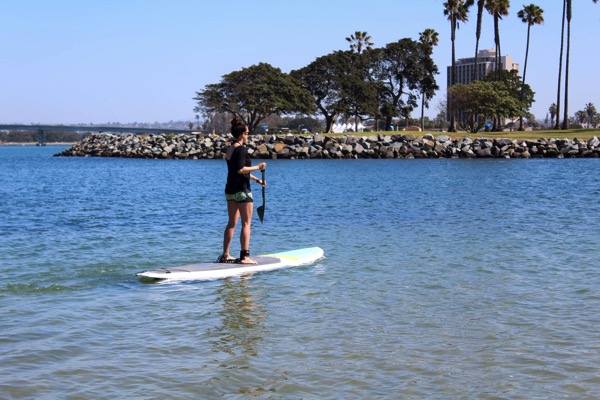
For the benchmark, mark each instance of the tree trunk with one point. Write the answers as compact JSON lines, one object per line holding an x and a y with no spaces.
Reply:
{"x":498,"y":52}
{"x":423,"y":112}
{"x":329,"y":123}
{"x":524,"y":73}
{"x":452,"y":127}
{"x":480,"y":4}
{"x":562,"y":37}
{"x":388,"y":122}
{"x":565,"y":123}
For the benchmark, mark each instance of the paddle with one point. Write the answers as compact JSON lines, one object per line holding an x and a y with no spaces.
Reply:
{"x":261,"y":209}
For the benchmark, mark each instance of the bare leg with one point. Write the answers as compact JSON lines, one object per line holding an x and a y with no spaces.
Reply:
{"x":233,"y":213}
{"x":245,"y":211}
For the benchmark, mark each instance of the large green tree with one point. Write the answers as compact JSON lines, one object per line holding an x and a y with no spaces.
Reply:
{"x":456,"y":11}
{"x":481,"y":101}
{"x":322,"y":79}
{"x":475,"y":102}
{"x":254,"y":93}
{"x":531,"y":15}
{"x":517,"y":90}
{"x":399,"y":72}
{"x":358,"y":92}
{"x":490,"y":99}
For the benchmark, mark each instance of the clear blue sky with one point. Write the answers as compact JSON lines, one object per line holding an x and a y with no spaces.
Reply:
{"x":96,"y":61}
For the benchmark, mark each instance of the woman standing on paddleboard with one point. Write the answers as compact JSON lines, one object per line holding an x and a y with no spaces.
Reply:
{"x":238,"y":193}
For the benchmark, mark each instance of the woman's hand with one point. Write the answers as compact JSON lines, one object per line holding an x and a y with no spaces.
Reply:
{"x":259,"y":181}
{"x":262,"y":166}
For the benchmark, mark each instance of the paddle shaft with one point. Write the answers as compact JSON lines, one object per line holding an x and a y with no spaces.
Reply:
{"x":261,"y":209}
{"x":263,"y":186}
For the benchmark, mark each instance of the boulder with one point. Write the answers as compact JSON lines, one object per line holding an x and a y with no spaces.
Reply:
{"x":318,"y":140}
{"x":279,"y":146}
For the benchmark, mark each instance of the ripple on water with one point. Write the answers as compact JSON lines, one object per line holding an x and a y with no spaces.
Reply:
{"x":446,"y":279}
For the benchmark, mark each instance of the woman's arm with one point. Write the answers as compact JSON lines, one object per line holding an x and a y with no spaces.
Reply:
{"x":259,"y":167}
{"x":247,"y":170}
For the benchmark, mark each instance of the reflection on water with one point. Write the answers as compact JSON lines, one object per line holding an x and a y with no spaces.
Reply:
{"x":241,"y":327}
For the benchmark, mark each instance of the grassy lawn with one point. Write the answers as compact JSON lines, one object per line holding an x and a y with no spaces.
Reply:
{"x":582,"y":134}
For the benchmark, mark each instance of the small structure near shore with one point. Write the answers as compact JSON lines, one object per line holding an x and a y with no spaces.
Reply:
{"x":319,"y":146}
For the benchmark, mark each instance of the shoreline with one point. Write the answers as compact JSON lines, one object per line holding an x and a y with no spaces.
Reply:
{"x":318,"y":146}
{"x":35,"y":144}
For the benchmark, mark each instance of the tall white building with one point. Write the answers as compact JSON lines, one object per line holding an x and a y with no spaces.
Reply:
{"x":486,"y":62}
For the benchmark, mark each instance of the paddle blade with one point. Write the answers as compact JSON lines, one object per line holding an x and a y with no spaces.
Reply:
{"x":261,"y":212}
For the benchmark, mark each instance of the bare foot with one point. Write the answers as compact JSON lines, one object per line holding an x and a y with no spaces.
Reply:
{"x":225,"y":258}
{"x":248,"y":260}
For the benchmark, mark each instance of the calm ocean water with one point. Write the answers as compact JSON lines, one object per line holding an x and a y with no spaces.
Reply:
{"x":443,"y":279}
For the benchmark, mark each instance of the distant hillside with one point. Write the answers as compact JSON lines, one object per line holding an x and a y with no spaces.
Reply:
{"x":157,"y":125}
{"x":73,"y":137}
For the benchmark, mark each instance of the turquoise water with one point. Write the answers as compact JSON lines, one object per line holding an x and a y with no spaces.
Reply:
{"x":443,"y":279}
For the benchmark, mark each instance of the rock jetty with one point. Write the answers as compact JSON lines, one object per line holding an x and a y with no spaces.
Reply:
{"x":319,"y":146}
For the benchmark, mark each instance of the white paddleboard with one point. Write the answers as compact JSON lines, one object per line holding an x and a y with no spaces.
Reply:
{"x":212,"y":271}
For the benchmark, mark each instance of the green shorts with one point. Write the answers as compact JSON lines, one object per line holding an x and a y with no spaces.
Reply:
{"x":240,"y":197}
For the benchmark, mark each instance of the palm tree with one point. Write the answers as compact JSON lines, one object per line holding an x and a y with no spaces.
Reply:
{"x":581,"y":116}
{"x":590,"y":111}
{"x":569,"y":13}
{"x":562,"y":45}
{"x":498,"y":9}
{"x":360,"y":41}
{"x":569,"y":8}
{"x":480,"y":6}
{"x":456,"y":11}
{"x":428,"y":38}
{"x":553,"y":112}
{"x":531,"y":15}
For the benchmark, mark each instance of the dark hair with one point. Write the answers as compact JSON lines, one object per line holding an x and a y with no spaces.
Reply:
{"x":238,"y":127}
